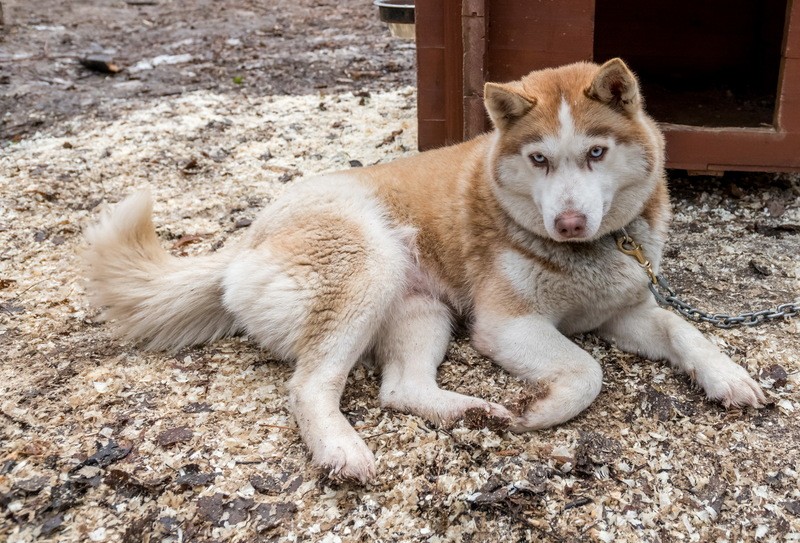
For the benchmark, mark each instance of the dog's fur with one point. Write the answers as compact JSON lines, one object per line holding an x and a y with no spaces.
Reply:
{"x":514,"y":230}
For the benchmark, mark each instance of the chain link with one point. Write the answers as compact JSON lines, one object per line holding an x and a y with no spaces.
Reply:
{"x":665,"y":296}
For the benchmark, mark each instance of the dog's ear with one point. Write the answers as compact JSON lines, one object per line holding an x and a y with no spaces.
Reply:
{"x":505,"y":104}
{"x":616,"y":86}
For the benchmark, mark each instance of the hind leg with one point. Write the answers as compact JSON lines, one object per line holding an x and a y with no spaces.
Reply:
{"x":411,"y":346}
{"x":315,"y":288}
{"x":325,"y":329}
{"x":315,"y":391}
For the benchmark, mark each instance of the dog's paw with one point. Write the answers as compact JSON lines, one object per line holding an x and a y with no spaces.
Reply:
{"x":493,"y":416}
{"x":445,"y":408}
{"x":731,"y":385}
{"x":346,"y":459}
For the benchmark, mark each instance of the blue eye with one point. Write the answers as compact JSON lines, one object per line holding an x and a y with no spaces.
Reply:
{"x":539,"y":159}
{"x":597,"y":152}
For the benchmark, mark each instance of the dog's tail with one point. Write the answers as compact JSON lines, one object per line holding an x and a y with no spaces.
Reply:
{"x":166,"y":301}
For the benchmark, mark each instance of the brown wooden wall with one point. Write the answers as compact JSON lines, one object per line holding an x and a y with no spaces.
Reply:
{"x":462,"y":44}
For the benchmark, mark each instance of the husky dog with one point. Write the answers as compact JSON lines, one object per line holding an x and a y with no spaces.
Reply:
{"x":514,"y":230}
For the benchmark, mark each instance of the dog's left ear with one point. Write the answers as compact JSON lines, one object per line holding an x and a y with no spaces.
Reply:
{"x":616,"y":86}
{"x":505,"y":104}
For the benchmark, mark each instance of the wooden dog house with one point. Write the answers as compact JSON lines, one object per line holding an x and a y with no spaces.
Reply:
{"x":722,"y":76}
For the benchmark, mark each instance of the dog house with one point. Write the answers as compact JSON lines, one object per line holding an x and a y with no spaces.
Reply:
{"x":722,"y":77}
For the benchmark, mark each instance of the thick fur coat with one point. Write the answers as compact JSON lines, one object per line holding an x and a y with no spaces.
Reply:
{"x":514,"y":230}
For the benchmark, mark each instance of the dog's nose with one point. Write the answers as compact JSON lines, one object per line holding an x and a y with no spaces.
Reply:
{"x":571,"y":224}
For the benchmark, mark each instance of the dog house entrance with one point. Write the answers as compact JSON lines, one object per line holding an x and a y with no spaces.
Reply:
{"x":712,"y":64}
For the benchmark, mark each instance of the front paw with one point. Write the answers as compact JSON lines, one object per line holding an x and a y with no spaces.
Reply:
{"x":346,"y":458}
{"x":730,"y":384}
{"x":493,"y":416}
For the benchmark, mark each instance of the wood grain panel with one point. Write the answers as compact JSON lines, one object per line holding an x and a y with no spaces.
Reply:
{"x":788,"y":109}
{"x":731,"y":149}
{"x":791,"y":44}
{"x":526,"y":36}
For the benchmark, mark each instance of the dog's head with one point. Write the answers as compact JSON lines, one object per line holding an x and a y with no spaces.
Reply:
{"x":574,"y":156}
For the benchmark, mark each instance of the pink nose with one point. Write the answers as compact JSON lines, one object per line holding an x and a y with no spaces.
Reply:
{"x":571,"y":224}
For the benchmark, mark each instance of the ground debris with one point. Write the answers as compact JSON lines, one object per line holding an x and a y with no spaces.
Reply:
{"x":390,"y":138}
{"x":595,"y":450}
{"x":185,"y":240}
{"x":105,"y":456}
{"x":190,"y":475}
{"x":175,"y":435}
{"x":100,"y":63}
{"x":655,"y":404}
{"x":761,"y":267}
{"x":33,"y":485}
{"x":776,"y":231}
{"x":276,"y":485}
{"x":792,"y":507}
{"x":127,"y":486}
{"x":191,"y":166}
{"x":217,"y":511}
{"x":714,"y":493}
{"x":69,"y":494}
{"x":138,"y":528}
{"x":273,"y":514}
{"x":210,"y":508}
{"x":495,"y":492}
{"x":577,"y":502}
{"x":776,"y":374}
{"x":197,"y":407}
{"x":52,"y":524}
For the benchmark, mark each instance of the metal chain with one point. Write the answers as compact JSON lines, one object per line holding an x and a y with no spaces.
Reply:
{"x":627,"y":245}
{"x":749,"y":318}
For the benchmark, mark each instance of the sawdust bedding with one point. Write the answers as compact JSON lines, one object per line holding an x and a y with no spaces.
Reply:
{"x":101,"y":441}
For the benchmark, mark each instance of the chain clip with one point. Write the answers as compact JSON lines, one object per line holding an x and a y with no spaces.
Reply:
{"x":627,"y":245}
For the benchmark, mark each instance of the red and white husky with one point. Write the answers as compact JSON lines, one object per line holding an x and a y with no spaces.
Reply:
{"x":515,"y":230}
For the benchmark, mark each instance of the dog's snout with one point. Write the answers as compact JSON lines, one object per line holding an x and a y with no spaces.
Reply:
{"x":571,"y":224}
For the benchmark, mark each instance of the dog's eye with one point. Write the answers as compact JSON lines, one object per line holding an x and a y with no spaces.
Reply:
{"x":597,"y":152}
{"x":539,"y":159}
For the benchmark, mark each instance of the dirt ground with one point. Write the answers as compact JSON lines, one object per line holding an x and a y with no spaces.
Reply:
{"x":102,"y":441}
{"x":168,"y":47}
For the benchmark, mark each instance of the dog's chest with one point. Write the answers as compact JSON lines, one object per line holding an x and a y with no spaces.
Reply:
{"x":581,"y":286}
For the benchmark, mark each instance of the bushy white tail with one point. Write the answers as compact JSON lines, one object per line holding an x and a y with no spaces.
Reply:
{"x":166,"y":301}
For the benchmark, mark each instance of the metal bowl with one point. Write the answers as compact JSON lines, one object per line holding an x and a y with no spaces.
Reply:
{"x":399,"y":14}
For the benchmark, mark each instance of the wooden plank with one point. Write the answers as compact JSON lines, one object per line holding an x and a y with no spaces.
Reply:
{"x":431,"y":83}
{"x":788,"y":103}
{"x":475,"y":119}
{"x":506,"y":66}
{"x":526,"y":36}
{"x":431,"y":134}
{"x":695,"y":148}
{"x":429,"y":24}
{"x":454,"y":78}
{"x":430,"y":39}
{"x":791,"y":43}
{"x":473,"y":24}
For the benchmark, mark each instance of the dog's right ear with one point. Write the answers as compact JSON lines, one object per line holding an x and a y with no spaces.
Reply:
{"x":505,"y":104}
{"x":616,"y":86}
